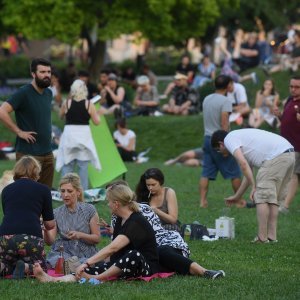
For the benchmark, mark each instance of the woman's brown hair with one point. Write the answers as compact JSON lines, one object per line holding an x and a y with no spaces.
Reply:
{"x":27,"y":167}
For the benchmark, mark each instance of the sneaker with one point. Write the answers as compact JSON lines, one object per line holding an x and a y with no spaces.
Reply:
{"x":272,"y":241}
{"x":257,"y":240}
{"x":254,"y":77}
{"x":283,"y":210}
{"x":19,"y":270}
{"x":211,"y":274}
{"x":157,"y":113}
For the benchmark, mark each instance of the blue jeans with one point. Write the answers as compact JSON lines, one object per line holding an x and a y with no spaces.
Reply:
{"x":82,"y":171}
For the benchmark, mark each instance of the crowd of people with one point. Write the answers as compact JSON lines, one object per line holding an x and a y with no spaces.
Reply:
{"x":145,"y":226}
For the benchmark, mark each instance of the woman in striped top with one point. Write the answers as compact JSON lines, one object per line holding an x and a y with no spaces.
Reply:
{"x":76,"y":224}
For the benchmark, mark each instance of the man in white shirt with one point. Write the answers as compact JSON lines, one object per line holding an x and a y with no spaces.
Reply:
{"x":274,"y":157}
{"x":238,"y":97}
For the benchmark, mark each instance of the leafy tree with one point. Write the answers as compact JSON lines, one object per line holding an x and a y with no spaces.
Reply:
{"x":272,"y":13}
{"x":163,"y":22}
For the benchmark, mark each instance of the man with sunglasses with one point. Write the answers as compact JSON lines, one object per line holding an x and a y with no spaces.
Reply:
{"x":274,"y":158}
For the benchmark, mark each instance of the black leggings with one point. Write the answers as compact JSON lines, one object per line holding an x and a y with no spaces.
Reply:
{"x":127,"y":155}
{"x":132,"y":264}
{"x":173,"y":260}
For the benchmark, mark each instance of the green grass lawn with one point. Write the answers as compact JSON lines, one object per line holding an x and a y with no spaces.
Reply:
{"x":269,"y":271}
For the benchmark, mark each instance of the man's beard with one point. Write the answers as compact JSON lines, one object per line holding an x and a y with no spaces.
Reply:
{"x":43,"y":83}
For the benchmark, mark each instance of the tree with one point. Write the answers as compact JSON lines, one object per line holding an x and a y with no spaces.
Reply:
{"x":163,"y":22}
{"x":272,"y":13}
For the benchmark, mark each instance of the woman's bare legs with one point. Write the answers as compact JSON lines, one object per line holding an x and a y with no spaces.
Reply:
{"x":196,"y":269}
{"x":41,"y":276}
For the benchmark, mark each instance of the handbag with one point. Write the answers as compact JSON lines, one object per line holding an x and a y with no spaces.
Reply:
{"x":176,"y":226}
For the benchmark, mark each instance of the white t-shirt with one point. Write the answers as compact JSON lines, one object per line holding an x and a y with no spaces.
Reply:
{"x":238,"y":95}
{"x":124,"y":139}
{"x":257,"y":145}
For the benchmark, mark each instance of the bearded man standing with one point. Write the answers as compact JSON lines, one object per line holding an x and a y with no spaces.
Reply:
{"x":32,"y":107}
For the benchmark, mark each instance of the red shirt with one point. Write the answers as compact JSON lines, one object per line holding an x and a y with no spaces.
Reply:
{"x":290,"y":127}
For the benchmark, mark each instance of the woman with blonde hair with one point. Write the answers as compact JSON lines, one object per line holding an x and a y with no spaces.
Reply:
{"x":132,"y":252}
{"x":23,"y":202}
{"x":76,"y":224}
{"x":76,"y":144}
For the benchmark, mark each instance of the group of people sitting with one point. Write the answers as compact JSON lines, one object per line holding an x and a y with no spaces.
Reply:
{"x":142,"y":240}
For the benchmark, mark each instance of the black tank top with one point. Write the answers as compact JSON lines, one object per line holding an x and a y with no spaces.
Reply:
{"x":110,"y":102}
{"x":77,"y":113}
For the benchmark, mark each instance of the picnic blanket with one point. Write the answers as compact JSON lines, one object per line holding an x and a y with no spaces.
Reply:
{"x":146,"y":278}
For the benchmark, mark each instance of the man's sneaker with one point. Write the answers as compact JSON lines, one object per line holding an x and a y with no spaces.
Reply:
{"x":257,"y":240}
{"x":272,"y":241}
{"x":211,"y":274}
{"x":283,"y":210}
{"x":157,"y":113}
{"x":254,"y":77}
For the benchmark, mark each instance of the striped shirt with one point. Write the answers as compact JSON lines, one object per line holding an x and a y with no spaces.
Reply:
{"x":78,"y":220}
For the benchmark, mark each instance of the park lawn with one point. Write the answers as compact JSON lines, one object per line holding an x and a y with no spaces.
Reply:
{"x":269,"y":271}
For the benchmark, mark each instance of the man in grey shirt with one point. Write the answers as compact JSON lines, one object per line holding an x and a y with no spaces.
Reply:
{"x":216,"y":110}
{"x":146,"y":99}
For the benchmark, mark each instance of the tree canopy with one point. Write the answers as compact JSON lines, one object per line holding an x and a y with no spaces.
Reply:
{"x":163,"y":22}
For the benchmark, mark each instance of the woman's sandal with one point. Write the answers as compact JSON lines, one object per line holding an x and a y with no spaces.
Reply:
{"x":257,"y":240}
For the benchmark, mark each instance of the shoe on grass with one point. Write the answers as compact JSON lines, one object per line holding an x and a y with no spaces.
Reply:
{"x":19,"y":270}
{"x":283,"y":210}
{"x":257,"y":240}
{"x":272,"y":241}
{"x":211,"y":274}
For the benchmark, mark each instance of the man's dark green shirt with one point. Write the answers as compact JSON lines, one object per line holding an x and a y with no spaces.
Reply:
{"x":33,"y":113}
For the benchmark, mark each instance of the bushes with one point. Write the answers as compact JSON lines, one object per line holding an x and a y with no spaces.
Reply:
{"x":14,"y":67}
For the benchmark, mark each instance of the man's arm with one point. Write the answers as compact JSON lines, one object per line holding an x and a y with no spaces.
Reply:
{"x":225,"y":121}
{"x":247,"y":171}
{"x":5,"y":110}
{"x":248,"y":52}
{"x":247,"y":180}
